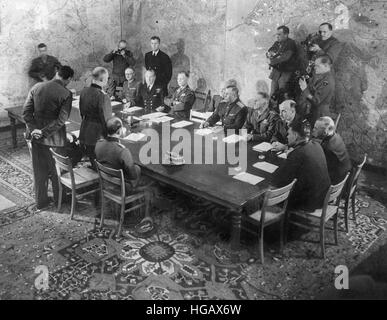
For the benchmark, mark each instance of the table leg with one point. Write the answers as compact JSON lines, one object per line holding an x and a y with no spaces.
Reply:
{"x":236,"y":231}
{"x":13,"y":131}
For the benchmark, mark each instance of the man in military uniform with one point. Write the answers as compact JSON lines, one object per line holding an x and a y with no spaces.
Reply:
{"x":283,"y":60}
{"x":182,"y":99}
{"x":130,"y":88}
{"x":317,"y":96}
{"x":44,"y":67}
{"x":232,"y":113}
{"x":261,"y":122}
{"x":327,"y":44}
{"x":150,"y":95}
{"x":45,"y":112}
{"x":160,"y":62}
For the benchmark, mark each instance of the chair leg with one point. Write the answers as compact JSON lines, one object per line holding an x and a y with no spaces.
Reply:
{"x":346,"y":214}
{"x":60,"y":196}
{"x":335,"y":229}
{"x":73,"y":203}
{"x":102,"y":211}
{"x":122,"y":214}
{"x":261,"y":253}
{"x":322,"y":240}
{"x":282,"y":236}
{"x":286,"y":229}
{"x":353,"y":200}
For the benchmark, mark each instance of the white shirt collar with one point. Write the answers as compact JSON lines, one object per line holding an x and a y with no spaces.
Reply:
{"x":155,"y":52}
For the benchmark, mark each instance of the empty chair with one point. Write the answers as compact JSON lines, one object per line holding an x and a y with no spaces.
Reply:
{"x":317,"y":219}
{"x":74,"y":179}
{"x":350,"y":192}
{"x":273,"y":210}
{"x":112,"y":187}
{"x":202,"y":100}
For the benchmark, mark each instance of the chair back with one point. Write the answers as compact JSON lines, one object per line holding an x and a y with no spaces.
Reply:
{"x":355,"y":176}
{"x":197,"y":116}
{"x":63,"y":164}
{"x":110,"y":179}
{"x":201,"y":100}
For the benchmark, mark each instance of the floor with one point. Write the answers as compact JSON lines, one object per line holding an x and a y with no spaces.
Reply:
{"x":186,"y":256}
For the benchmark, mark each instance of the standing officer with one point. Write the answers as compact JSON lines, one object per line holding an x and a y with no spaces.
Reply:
{"x":283,"y":60}
{"x":182,"y":99}
{"x":44,"y":67}
{"x":122,"y":59}
{"x":232,"y":114}
{"x":160,"y":62}
{"x":95,"y":108}
{"x":45,"y":112}
{"x":317,"y":96}
{"x":150,"y":95}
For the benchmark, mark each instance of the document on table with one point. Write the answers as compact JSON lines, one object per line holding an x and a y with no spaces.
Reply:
{"x":115,"y":103}
{"x":135,"y":137}
{"x":265,"y":166}
{"x":217,"y":129}
{"x":181,"y":124}
{"x":162,"y":119}
{"x":76,"y":133}
{"x":203,"y":132}
{"x":153,"y":115}
{"x":234,"y":138}
{"x":263,"y":147}
{"x":249,"y":178}
{"x":132,"y":109}
{"x":283,"y":155}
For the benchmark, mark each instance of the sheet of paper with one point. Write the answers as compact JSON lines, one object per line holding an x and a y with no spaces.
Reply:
{"x":76,"y":133}
{"x":265,"y":166}
{"x":135,"y":137}
{"x":248,"y":178}
{"x":182,"y":124}
{"x":283,"y":155}
{"x":263,"y":147}
{"x":234,"y":138}
{"x":153,"y":115}
{"x":115,"y":103}
{"x":203,"y":132}
{"x":132,"y":109}
{"x":162,"y":119}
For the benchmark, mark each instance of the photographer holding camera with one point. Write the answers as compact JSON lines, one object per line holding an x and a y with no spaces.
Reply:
{"x":122,"y":59}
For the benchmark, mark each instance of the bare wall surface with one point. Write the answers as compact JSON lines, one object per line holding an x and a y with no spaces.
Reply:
{"x":216,"y":40}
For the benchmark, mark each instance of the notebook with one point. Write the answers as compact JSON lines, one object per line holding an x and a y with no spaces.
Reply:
{"x":248,"y":178}
{"x":265,"y":166}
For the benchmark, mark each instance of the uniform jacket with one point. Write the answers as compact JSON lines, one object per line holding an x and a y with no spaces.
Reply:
{"x":281,"y":135}
{"x":39,"y":68}
{"x":285,"y":59}
{"x":263,"y":127}
{"x":110,"y":153}
{"x":183,"y":100}
{"x":120,"y":63}
{"x":331,"y":47}
{"x":130,"y":91}
{"x":95,"y":108}
{"x":47,"y":107}
{"x":307,"y":164}
{"x":161,"y":64}
{"x":232,"y":115}
{"x":337,"y":156}
{"x":150,"y":100}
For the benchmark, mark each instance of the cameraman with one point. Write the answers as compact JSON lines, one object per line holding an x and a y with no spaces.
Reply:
{"x":122,"y":59}
{"x":282,"y":59}
{"x":326,"y":44}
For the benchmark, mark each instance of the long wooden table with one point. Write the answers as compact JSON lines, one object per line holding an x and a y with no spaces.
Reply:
{"x":208,"y":181}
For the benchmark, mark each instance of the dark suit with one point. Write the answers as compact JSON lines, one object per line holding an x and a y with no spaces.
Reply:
{"x":162,"y":65}
{"x":263,"y":127}
{"x":47,"y":68}
{"x":232,"y":115}
{"x":331,"y":47}
{"x":182,"y":102}
{"x":150,"y":99}
{"x":95,"y":109}
{"x":307,"y":164}
{"x":47,"y":108}
{"x":337,"y":156}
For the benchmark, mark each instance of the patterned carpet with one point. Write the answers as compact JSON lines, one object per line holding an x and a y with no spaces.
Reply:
{"x":186,"y":256}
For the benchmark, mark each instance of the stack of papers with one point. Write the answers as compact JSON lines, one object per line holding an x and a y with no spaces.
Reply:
{"x":234,"y":138}
{"x":249,"y":178}
{"x":262,"y":147}
{"x":182,"y":124}
{"x":153,"y":115}
{"x":131,"y":110}
{"x":162,"y":119}
{"x":265,"y":166}
{"x":203,"y":132}
{"x":135,"y":137}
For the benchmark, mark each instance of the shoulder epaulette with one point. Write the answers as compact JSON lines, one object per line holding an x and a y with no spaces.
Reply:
{"x":240,"y":104}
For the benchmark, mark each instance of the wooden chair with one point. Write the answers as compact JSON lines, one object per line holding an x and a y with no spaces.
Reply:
{"x":321,"y":216}
{"x":197,"y":116}
{"x":350,"y":192}
{"x":271,"y":213}
{"x":74,"y":179}
{"x":201,"y":101}
{"x":112,"y":182}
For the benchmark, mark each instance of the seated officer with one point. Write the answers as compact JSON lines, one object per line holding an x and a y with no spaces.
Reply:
{"x":261,"y":122}
{"x":336,"y":153}
{"x":150,"y":95}
{"x":306,"y":163}
{"x":232,"y":113}
{"x":182,"y":99}
{"x":219,"y":98}
{"x":110,"y":153}
{"x":130,"y":88}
